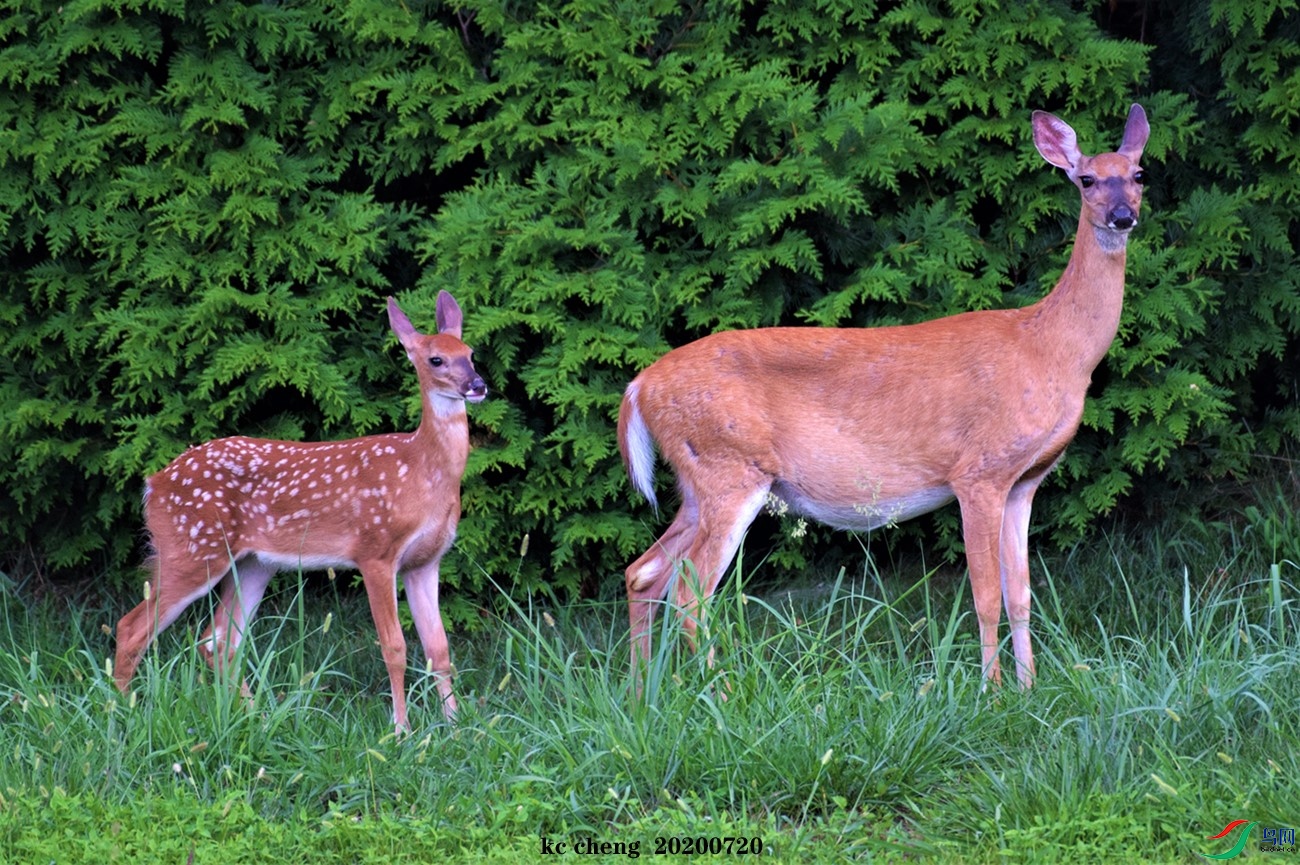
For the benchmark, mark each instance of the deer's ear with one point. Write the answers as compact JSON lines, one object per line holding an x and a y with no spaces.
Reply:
{"x":448,"y":316}
{"x":400,"y":324}
{"x":1056,"y":141}
{"x":1136,"y":131}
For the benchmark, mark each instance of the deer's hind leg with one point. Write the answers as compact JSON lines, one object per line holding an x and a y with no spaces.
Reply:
{"x":175,"y":582}
{"x":648,"y":577}
{"x":242,"y":590}
{"x":724,"y":518}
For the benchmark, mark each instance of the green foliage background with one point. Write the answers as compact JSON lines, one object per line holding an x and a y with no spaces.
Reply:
{"x":204,"y":204}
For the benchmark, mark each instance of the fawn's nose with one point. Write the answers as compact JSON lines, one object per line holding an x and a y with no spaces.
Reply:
{"x":477,"y":390}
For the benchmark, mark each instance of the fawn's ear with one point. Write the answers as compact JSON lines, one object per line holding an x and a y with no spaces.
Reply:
{"x":1136,"y":131}
{"x":1056,"y":141}
{"x":448,"y":315}
{"x":400,"y":324}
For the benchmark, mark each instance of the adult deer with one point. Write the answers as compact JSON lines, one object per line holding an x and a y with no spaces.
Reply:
{"x":237,"y":510}
{"x":859,"y":428}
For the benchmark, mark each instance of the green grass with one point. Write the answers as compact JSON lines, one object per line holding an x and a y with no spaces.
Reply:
{"x":844,"y":720}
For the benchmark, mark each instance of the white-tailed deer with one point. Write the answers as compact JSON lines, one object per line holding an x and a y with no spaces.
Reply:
{"x":237,"y":510}
{"x":859,"y":428}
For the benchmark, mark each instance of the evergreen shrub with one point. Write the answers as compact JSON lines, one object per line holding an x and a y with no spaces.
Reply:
{"x":207,"y":202}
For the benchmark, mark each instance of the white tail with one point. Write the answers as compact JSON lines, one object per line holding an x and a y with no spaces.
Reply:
{"x":859,"y":428}
{"x":382,"y":504}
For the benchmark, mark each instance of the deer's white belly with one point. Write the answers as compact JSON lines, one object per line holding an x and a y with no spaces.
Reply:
{"x":872,"y":512}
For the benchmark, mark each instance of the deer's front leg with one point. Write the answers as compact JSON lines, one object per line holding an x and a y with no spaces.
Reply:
{"x":422,"y":596}
{"x":381,"y":589}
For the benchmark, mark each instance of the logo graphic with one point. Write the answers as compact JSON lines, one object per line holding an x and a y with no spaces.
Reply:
{"x":1279,"y":840}
{"x":1241,"y":840}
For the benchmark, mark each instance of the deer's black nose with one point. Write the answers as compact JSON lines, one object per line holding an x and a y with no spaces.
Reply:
{"x":1123,"y":218}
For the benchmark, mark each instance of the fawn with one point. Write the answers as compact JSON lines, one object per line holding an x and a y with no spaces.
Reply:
{"x":237,"y":510}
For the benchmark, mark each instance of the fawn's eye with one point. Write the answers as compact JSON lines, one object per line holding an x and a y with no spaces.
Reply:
{"x":1140,"y":178}
{"x":435,"y":361}
{"x":1087,"y":180}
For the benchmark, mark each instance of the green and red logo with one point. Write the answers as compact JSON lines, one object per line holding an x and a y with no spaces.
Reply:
{"x":1275,"y":840}
{"x":1241,"y":839}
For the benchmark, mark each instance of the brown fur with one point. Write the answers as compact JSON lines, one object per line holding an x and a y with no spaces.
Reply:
{"x":860,"y":428}
{"x":383,"y":504}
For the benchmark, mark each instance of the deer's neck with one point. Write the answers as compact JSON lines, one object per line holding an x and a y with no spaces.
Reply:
{"x":444,"y":431}
{"x":1078,"y":320}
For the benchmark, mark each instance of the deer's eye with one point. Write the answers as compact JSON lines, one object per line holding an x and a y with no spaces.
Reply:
{"x":1087,"y":180}
{"x":1140,"y":178}
{"x":435,"y":361}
